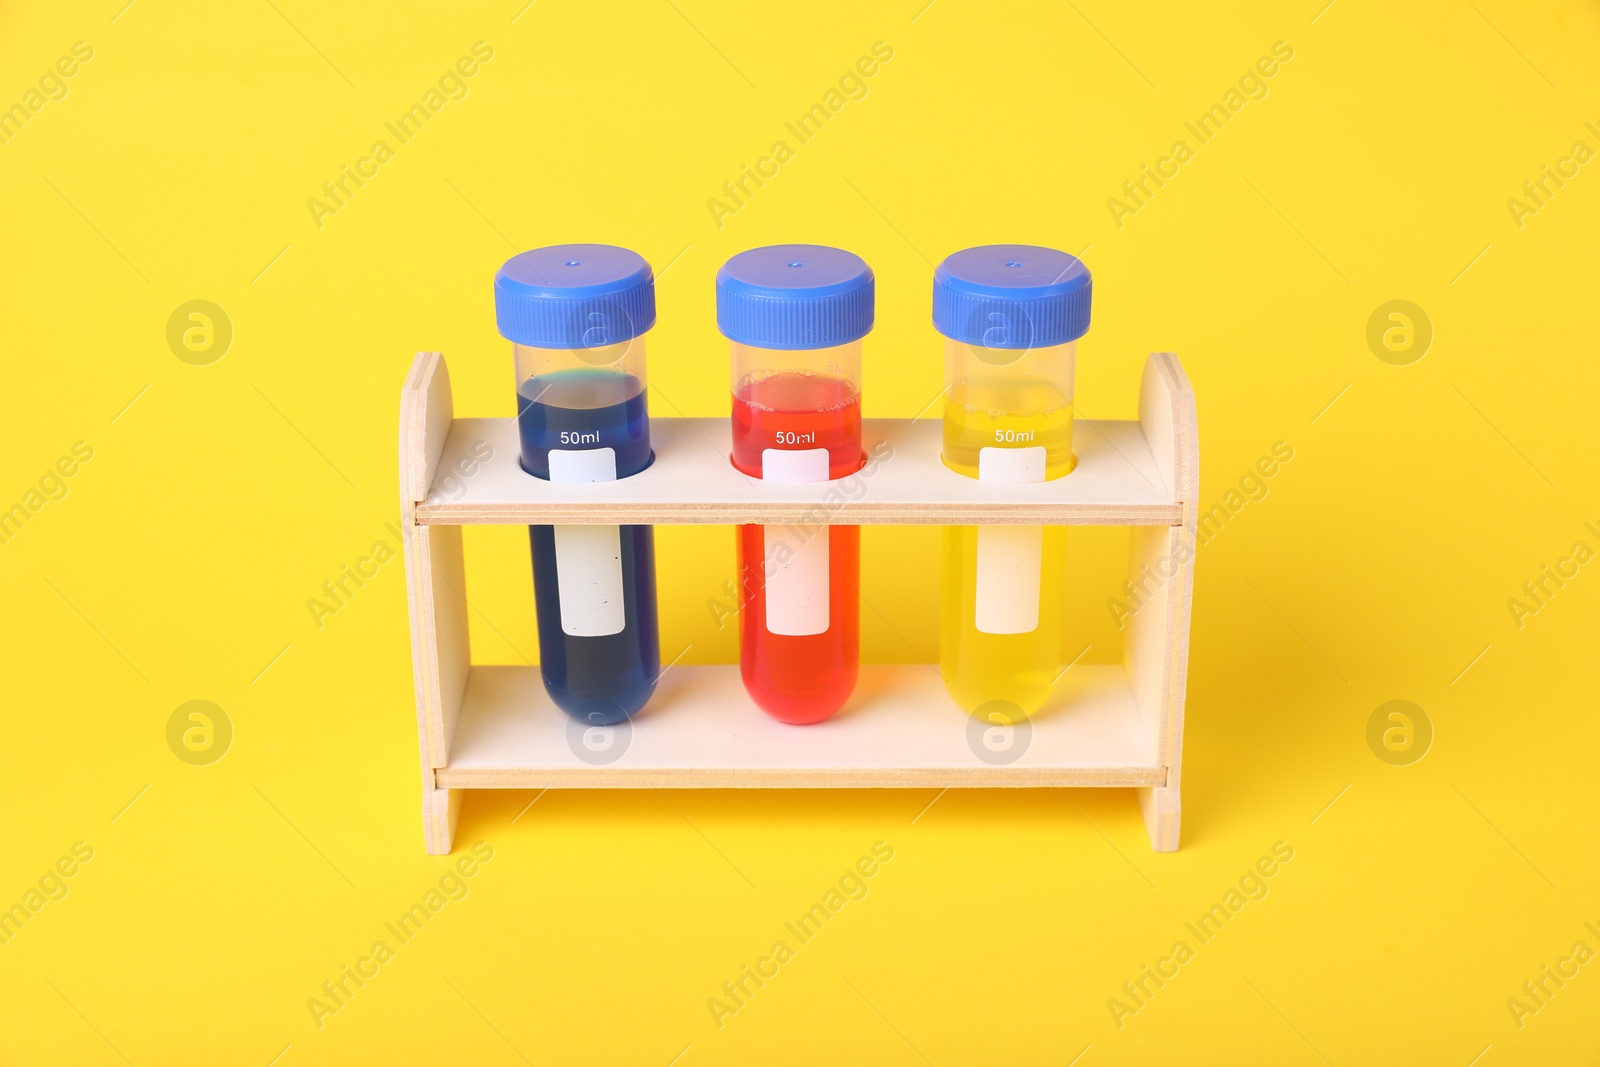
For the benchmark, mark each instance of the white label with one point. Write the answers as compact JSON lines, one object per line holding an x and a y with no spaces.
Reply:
{"x":1011,"y":466}
{"x":796,"y":560}
{"x":589,"y":580}
{"x":797,"y":580}
{"x":588,"y":558}
{"x":1010,"y":558}
{"x":579,"y":465}
{"x":795,"y":465}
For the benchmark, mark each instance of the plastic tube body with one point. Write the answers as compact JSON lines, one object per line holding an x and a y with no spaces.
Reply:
{"x":797,"y":418}
{"x":582,"y":417}
{"x":1007,"y":419}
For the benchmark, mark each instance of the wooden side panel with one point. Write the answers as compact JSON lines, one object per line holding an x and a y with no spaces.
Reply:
{"x":426,"y":411}
{"x":435,"y":591}
{"x":1162,"y":810}
{"x":439,"y":631}
{"x":441,"y":811}
{"x":1156,"y":649}
{"x":1156,"y":572}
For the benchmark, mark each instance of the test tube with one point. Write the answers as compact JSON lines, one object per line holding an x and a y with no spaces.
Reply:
{"x":795,"y":316}
{"x":1011,"y":316}
{"x":576,"y":316}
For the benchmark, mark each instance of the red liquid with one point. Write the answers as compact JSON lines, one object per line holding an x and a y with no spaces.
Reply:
{"x":799,"y":679}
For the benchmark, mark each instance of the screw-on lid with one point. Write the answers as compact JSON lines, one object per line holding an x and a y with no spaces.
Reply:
{"x":574,"y":296}
{"x":1011,"y":296}
{"x":795,"y":296}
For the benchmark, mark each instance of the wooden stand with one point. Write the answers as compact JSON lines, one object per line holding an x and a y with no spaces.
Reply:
{"x":494,"y":727}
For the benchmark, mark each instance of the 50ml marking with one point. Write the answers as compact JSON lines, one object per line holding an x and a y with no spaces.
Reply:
{"x":576,"y":437}
{"x":785,"y":437}
{"x":1010,"y":436}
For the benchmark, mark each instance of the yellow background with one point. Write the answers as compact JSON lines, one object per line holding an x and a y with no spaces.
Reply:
{"x":1379,"y":566}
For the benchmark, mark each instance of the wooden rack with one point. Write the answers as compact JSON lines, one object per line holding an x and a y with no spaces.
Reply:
{"x":1107,"y":725}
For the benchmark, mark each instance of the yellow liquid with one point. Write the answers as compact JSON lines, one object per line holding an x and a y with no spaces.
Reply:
{"x":980,"y":414}
{"x":1002,"y":677}
{"x":1017,"y":670}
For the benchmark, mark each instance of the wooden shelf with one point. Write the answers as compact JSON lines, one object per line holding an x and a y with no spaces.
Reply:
{"x":700,"y":729}
{"x":481,"y":727}
{"x":1116,"y":483}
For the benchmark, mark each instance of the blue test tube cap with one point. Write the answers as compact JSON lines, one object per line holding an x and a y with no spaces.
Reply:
{"x":574,"y":296}
{"x":1011,"y":297}
{"x":792,"y":297}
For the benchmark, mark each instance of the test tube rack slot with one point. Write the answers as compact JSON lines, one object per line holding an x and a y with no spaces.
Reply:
{"x":1107,"y":726}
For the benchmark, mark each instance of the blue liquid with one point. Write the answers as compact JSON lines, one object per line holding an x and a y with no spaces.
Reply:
{"x":600,"y":680}
{"x":597,"y":680}
{"x":576,"y":409}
